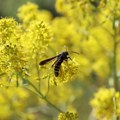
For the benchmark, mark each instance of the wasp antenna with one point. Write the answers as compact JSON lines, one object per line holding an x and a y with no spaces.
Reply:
{"x":74,"y":52}
{"x":65,"y":47}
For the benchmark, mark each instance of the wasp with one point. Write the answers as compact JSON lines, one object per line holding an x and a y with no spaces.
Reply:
{"x":63,"y":56}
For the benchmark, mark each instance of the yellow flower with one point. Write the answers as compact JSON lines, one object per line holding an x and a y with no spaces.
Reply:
{"x":106,"y":104}
{"x":64,"y":6}
{"x":68,"y":116}
{"x":13,"y":57}
{"x":68,"y":71}
{"x":30,"y":12}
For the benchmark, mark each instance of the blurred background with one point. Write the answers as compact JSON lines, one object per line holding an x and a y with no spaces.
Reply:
{"x":83,"y":88}
{"x":9,"y":7}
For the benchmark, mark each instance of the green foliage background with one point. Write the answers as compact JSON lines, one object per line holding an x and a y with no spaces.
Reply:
{"x":87,"y":86}
{"x":9,"y":7}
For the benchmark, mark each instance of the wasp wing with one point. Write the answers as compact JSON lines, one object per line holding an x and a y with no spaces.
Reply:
{"x":47,"y":60}
{"x":56,"y":60}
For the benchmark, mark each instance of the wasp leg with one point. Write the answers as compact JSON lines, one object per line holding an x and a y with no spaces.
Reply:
{"x":69,"y":58}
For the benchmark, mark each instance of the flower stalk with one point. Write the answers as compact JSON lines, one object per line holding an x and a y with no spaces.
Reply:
{"x":116,"y":85}
{"x":38,"y":92}
{"x":115,"y":43}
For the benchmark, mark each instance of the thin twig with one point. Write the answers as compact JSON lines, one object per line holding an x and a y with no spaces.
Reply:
{"x":115,"y":57}
{"x":43,"y":97}
{"x":38,"y":71}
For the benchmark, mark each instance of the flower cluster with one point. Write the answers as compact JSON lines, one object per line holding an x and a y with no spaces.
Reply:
{"x":64,"y":6}
{"x":68,"y":116}
{"x":106,"y":104}
{"x":13,"y":57}
{"x":12,"y":102}
{"x":67,"y":72}
{"x":39,"y":36}
{"x":21,"y":43}
{"x":36,"y":30}
{"x":30,"y":12}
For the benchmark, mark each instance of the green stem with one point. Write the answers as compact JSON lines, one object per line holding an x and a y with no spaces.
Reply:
{"x":38,"y":71}
{"x":17,"y":79}
{"x":115,"y":66}
{"x":116,"y":85}
{"x":44,"y":97}
{"x":51,"y":104}
{"x":116,"y":82}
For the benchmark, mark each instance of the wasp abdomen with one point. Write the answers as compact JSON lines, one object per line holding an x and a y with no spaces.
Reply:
{"x":63,"y":56}
{"x":56,"y":70}
{"x":57,"y":67}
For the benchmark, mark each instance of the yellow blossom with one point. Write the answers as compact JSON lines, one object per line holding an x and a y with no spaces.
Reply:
{"x":30,"y":12}
{"x":13,"y":57}
{"x":68,"y":116}
{"x":68,"y":71}
{"x":106,"y":104}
